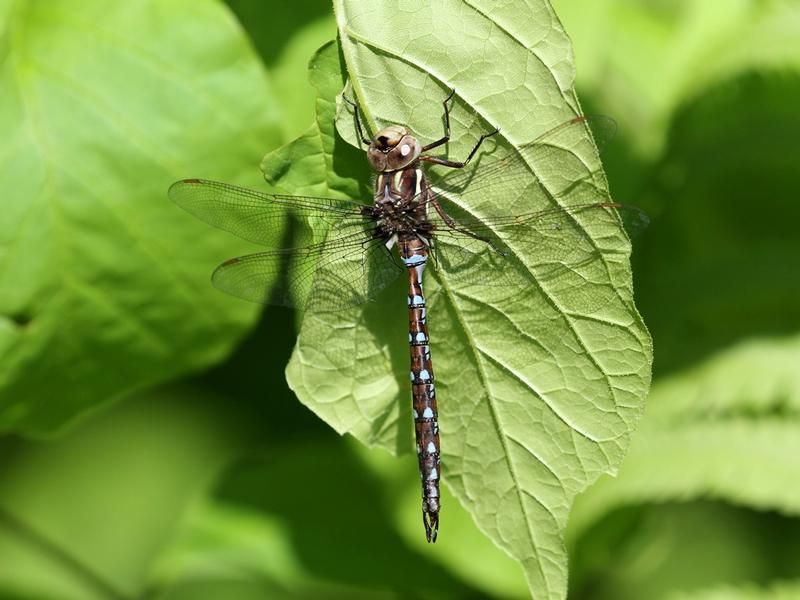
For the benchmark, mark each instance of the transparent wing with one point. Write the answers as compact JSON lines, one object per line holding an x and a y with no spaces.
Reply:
{"x":336,"y":260}
{"x":554,"y":160}
{"x":258,"y":216}
{"x":537,"y":216}
{"x":329,"y":276}
{"x":492,"y":250}
{"x":565,"y":251}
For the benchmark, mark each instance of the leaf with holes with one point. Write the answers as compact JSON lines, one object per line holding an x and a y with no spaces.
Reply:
{"x":538,"y":391}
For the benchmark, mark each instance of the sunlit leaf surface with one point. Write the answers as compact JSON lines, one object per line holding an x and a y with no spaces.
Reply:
{"x":540,"y":390}
{"x":726,"y":429}
{"x":103,"y":282}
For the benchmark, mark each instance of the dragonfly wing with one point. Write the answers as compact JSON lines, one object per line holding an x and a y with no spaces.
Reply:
{"x":560,"y":248}
{"x":258,"y":216}
{"x":259,"y":277}
{"x":531,"y":176}
{"x":326,"y":277}
{"x":544,"y":214}
{"x":352,"y":276}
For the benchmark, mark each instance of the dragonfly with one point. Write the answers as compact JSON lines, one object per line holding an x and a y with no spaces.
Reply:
{"x":340,"y":253}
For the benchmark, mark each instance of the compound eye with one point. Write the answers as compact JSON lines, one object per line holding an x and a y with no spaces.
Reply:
{"x":405,"y":149}
{"x":389,"y":137}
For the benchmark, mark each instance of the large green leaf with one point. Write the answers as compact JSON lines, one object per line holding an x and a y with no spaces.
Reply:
{"x":538,"y":392}
{"x":104,"y":283}
{"x":726,"y":429}
{"x":667,"y":53}
{"x":285,"y":35}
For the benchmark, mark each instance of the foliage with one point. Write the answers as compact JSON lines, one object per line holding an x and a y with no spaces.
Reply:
{"x":716,"y":282}
{"x":546,"y":404}
{"x":102,"y":108}
{"x":224,"y":486}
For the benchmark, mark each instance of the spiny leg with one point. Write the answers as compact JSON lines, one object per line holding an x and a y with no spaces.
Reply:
{"x":364,"y":139}
{"x":446,"y":137}
{"x":451,"y":223}
{"x":454,"y":164}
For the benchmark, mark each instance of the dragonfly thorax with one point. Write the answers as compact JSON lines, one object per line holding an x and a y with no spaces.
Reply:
{"x":393,"y":148}
{"x":398,"y":220}
{"x":399,"y":206}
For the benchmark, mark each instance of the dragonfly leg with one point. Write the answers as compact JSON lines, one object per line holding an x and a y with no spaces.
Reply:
{"x":454,"y":164}
{"x":363,"y":137}
{"x":451,"y":223}
{"x":390,"y":254}
{"x":446,"y":137}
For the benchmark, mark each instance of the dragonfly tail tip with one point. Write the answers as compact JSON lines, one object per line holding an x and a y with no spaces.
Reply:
{"x":431,"y":521}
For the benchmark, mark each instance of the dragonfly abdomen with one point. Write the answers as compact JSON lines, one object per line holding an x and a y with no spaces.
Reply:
{"x":414,"y":253}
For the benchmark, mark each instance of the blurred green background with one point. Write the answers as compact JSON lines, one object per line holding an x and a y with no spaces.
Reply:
{"x":221,"y":485}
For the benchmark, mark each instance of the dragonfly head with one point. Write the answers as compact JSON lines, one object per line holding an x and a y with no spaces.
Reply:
{"x":393,"y":148}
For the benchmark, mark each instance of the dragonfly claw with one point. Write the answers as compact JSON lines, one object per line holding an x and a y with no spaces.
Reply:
{"x":431,"y":521}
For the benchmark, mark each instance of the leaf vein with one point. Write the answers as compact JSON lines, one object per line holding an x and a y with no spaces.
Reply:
{"x":521,"y":379}
{"x":498,"y":428}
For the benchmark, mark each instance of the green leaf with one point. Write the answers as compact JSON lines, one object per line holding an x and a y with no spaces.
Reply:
{"x":87,"y":515}
{"x":726,"y":429}
{"x":234,"y":552}
{"x":540,"y":392}
{"x":741,"y":461}
{"x":285,"y":35}
{"x":779,"y":591}
{"x":667,"y":53}
{"x":105,"y":282}
{"x":319,"y":163}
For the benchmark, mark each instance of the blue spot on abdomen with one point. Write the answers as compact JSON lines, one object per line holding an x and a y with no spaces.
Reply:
{"x":414,"y":260}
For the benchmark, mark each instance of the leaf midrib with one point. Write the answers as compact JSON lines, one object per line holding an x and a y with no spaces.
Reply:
{"x":496,"y":422}
{"x":550,"y":195}
{"x":354,"y":82}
